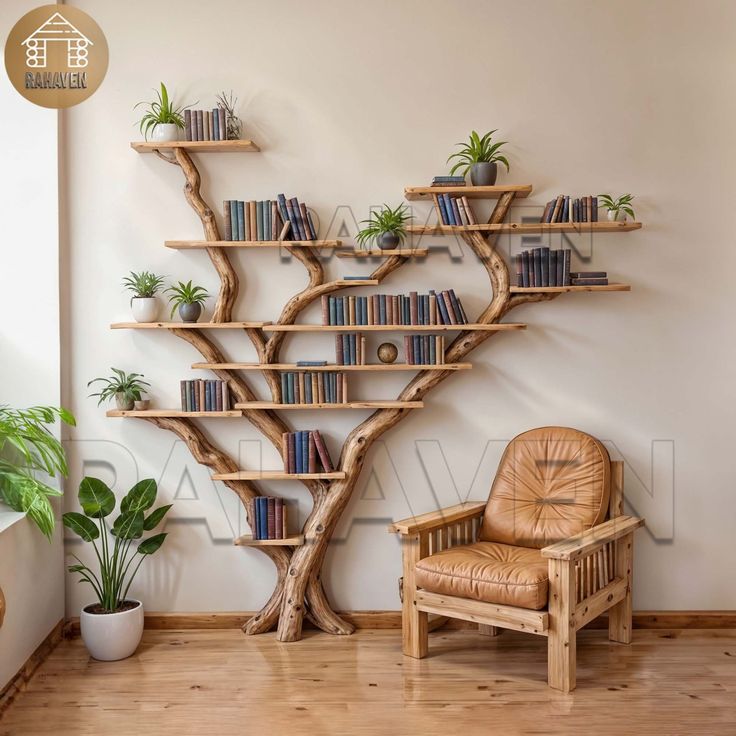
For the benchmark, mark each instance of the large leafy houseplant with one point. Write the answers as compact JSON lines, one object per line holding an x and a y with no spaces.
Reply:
{"x":29,"y":449}
{"x":125,"y":388}
{"x":162,"y":111}
{"x":387,"y":227}
{"x":115,"y":556}
{"x":480,"y":156}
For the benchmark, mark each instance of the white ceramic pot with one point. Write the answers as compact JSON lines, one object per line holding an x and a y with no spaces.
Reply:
{"x":616,"y":216}
{"x":145,"y":308}
{"x":112,"y":636}
{"x":165,"y":132}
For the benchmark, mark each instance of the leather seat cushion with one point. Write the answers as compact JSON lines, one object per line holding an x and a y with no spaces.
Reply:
{"x":552,"y":483}
{"x":487,"y":571}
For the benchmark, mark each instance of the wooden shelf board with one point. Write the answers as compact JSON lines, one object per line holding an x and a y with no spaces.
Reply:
{"x":520,"y":191}
{"x":247,"y":541}
{"x":534,"y":227}
{"x":244,"y":146}
{"x":174,"y":413}
{"x":388,"y":404}
{"x":471,"y":327}
{"x":378,"y":253}
{"x":201,"y":244}
{"x":379,"y":367}
{"x":277,"y":475}
{"x":186,"y":325}
{"x":357,"y":282}
{"x":563,"y":289}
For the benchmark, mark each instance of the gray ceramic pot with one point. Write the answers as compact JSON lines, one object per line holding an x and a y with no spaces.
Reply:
{"x":190,"y":312}
{"x":388,"y":241}
{"x":483,"y":174}
{"x":123,"y":402}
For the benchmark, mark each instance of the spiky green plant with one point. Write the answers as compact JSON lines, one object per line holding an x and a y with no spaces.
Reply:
{"x":161,"y":111}
{"x":476,"y":151}
{"x":113,"y":579}
{"x":182,"y":293}
{"x":27,"y":449}
{"x":385,"y":220}
{"x":622,"y":204}
{"x":143,"y":285}
{"x":129,"y":385}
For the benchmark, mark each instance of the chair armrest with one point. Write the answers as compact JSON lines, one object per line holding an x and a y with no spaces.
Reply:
{"x":438,"y":519}
{"x":580,"y":545}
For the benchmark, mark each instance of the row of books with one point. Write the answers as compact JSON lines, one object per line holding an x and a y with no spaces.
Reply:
{"x":305,"y":452}
{"x":323,"y":387}
{"x":566,"y":209}
{"x":204,"y":395}
{"x":269,"y":518}
{"x":543,"y":267}
{"x":454,"y":209}
{"x":424,"y":349}
{"x":448,"y":181}
{"x":589,"y":278}
{"x":394,"y":309}
{"x":268,"y":220}
{"x":205,"y":125}
{"x":350,"y":349}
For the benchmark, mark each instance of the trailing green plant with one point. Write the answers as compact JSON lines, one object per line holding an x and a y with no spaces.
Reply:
{"x":129,"y":385}
{"x":622,"y":204}
{"x":27,"y":449}
{"x":182,"y":293}
{"x":476,"y":151}
{"x":161,"y":111}
{"x":114,"y":576}
{"x":143,"y":285}
{"x":385,"y":220}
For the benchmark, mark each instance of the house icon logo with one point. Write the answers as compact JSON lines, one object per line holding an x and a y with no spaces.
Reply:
{"x":56,"y":56}
{"x":57,"y":29}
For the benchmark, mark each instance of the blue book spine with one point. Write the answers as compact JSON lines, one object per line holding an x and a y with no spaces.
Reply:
{"x":333,"y":388}
{"x":340,"y":315}
{"x":267,"y":220}
{"x":241,"y":220}
{"x":432,"y":350}
{"x":565,"y":209}
{"x":381,"y":309}
{"x":305,"y":451}
{"x":442,"y":308}
{"x":298,"y":452}
{"x":297,"y":224}
{"x":263,"y":517}
{"x":346,"y":349}
{"x":307,"y":363}
{"x":308,"y":388}
{"x":259,"y":517}
{"x":443,"y":211}
{"x":352,"y":341}
{"x":312,"y":229}
{"x":215,"y":126}
{"x":450,"y":211}
{"x":292,"y":388}
{"x":284,"y":212}
{"x":208,"y":395}
{"x":234,"y":220}
{"x":425,"y":302}
{"x":456,"y":211}
{"x":332,"y":308}
{"x":284,"y":387}
{"x":259,"y":220}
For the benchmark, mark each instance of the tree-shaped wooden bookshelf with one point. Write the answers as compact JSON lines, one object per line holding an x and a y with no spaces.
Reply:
{"x":299,"y":559}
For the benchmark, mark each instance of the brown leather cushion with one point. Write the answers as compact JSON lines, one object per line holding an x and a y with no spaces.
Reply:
{"x":552,"y":483}
{"x":487,"y":571}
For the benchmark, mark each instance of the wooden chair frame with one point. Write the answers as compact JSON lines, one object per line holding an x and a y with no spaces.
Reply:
{"x":589,"y":574}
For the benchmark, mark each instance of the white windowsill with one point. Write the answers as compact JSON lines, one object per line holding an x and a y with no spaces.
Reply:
{"x":8,"y":517}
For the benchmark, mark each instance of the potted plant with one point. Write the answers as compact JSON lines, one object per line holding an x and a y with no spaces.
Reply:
{"x":162,"y":118}
{"x":480,"y":156}
{"x":387,"y":227}
{"x":617,"y":209}
{"x":27,"y":448}
{"x":144,"y":286}
{"x":187,"y":299}
{"x":112,"y":626}
{"x":126,"y":388}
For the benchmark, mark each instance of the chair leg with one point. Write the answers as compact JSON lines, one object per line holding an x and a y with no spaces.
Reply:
{"x":561,"y":639}
{"x":414,"y":623}
{"x":488,"y":630}
{"x":619,"y":617}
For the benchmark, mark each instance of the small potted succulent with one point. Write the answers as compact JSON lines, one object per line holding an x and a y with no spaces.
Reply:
{"x":112,"y":626}
{"x":617,"y":209}
{"x":162,"y":118}
{"x":387,"y":227}
{"x":480,"y":156}
{"x":187,"y":299}
{"x":144,"y":287}
{"x":125,"y":388}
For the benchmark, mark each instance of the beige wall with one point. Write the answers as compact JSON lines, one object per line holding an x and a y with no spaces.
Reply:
{"x":352,"y":102}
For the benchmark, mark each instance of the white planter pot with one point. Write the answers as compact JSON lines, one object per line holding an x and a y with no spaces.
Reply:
{"x":616,"y":216}
{"x":165,"y":132}
{"x":145,"y":309}
{"x":112,"y":636}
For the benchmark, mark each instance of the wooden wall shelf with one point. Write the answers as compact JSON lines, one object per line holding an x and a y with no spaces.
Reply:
{"x":376,"y":404}
{"x":187,"y":325}
{"x":243,"y":146}
{"x":171,"y":413}
{"x":378,"y":253}
{"x":564,"y":289}
{"x":520,"y":191}
{"x":247,"y":541}
{"x":203,"y":244}
{"x":525,"y":228}
{"x":378,"y":367}
{"x":344,"y":283}
{"x":471,"y":327}
{"x":277,"y":475}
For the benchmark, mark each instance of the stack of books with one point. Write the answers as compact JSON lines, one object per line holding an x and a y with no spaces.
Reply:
{"x":424,"y":349}
{"x":448,"y":181}
{"x":269,"y":518}
{"x":350,"y":349}
{"x":443,"y":308}
{"x":543,"y":267}
{"x":305,"y":452}
{"x":205,"y":125}
{"x":268,"y":220}
{"x":589,"y":278}
{"x":326,"y":387}
{"x":201,"y":395}
{"x":566,"y":209}
{"x":454,"y":209}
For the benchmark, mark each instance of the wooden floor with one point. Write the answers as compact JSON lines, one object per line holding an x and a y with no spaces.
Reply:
{"x":220,"y":682}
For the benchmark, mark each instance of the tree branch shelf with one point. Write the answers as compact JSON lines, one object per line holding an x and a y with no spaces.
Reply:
{"x":277,"y":475}
{"x":473,"y":327}
{"x":170,"y":413}
{"x":247,"y":541}
{"x":241,"y":146}
{"x":565,"y":289}
{"x":526,"y":228}
{"x":204,"y":244}
{"x":520,"y":191}
{"x":187,"y":325}
{"x":378,"y":367}
{"x":375,"y":404}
